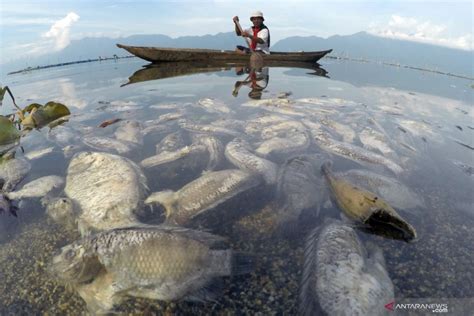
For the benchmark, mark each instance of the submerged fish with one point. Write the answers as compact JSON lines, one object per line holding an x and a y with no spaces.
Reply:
{"x":340,"y":277}
{"x":352,"y":152}
{"x":295,"y":142}
{"x":375,"y":140}
{"x":171,"y":142}
{"x":238,"y":153}
{"x":391,"y":190}
{"x":214,"y":147}
{"x":36,"y":154}
{"x":203,"y":194}
{"x":299,"y":187}
{"x":207,"y":128}
{"x":130,"y":131}
{"x":107,"y":189}
{"x":366,"y":207}
{"x":36,"y":188}
{"x":109,"y":144}
{"x":154,"y":262}
{"x":12,"y":171}
{"x":167,"y":156}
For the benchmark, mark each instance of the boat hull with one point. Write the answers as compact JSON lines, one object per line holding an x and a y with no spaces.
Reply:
{"x":158,"y":54}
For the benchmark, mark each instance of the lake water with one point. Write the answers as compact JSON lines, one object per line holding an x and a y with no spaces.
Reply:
{"x":421,"y":121}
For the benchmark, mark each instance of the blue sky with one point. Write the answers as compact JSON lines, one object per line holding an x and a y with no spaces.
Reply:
{"x":38,"y":27}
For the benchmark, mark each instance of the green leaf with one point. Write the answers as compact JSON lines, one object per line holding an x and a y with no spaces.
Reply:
{"x":8,"y":131}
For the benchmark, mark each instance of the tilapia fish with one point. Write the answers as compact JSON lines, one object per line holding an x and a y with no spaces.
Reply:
{"x":340,"y":277}
{"x":238,"y":153}
{"x":12,"y":171}
{"x":171,"y":142}
{"x":207,"y":128}
{"x":367,"y":208}
{"x":108,"y":189}
{"x":203,"y":194}
{"x":296,"y":142}
{"x":154,"y":262}
{"x":36,"y":188}
{"x":299,"y":187}
{"x":166,"y":156}
{"x":352,"y":152}
{"x":214,"y":147}
{"x":109,"y":144}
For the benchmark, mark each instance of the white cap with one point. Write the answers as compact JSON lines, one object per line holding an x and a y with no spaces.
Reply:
{"x":257,"y":14}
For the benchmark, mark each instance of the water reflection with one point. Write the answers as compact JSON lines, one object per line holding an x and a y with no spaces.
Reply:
{"x":256,"y":78}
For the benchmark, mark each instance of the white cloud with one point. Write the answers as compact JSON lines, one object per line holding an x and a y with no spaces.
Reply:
{"x":409,"y":28}
{"x":60,"y":31}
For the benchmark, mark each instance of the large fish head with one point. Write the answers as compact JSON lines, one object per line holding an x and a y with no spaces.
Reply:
{"x":74,"y":265}
{"x":388,"y":223}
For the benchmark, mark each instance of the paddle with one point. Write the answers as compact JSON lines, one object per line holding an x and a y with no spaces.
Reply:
{"x":242,"y":32}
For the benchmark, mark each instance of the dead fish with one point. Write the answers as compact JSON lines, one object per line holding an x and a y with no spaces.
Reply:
{"x":295,"y":142}
{"x":299,"y":187}
{"x":340,"y":277}
{"x":109,"y":144}
{"x":36,"y":188}
{"x":214,"y":147}
{"x":282,"y":129}
{"x":203,"y":194}
{"x":391,"y":190}
{"x":36,"y":154}
{"x":345,"y":131}
{"x":167,"y":156}
{"x":108,"y":190}
{"x":171,"y":142}
{"x":375,"y":140}
{"x":62,"y":211}
{"x":352,"y":152}
{"x":238,"y":153}
{"x":214,"y":106}
{"x":12,"y":171}
{"x":207,"y":128}
{"x":130,"y":131}
{"x":64,"y":135}
{"x":155,"y":262}
{"x":366,"y":207}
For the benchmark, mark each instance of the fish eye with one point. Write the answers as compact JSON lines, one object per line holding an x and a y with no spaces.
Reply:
{"x":69,"y":254}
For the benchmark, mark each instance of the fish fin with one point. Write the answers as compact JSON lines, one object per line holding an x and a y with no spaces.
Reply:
{"x":243,"y":263}
{"x":166,"y":198}
{"x":307,"y":296}
{"x":208,"y":293}
{"x":210,"y":240}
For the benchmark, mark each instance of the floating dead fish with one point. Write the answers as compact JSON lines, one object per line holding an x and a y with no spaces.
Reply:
{"x":154,"y":262}
{"x":171,"y":142}
{"x":295,"y":142}
{"x":214,"y":147}
{"x":340,"y":277}
{"x":214,"y":106}
{"x":108,"y":190}
{"x":299,"y":187}
{"x":391,"y":190}
{"x":352,"y":152}
{"x":167,"y":156}
{"x":36,"y":154}
{"x":345,"y":131}
{"x":36,"y":188}
{"x":130,"y":131}
{"x":366,"y":207}
{"x":239,"y":154}
{"x":12,"y":171}
{"x":207,"y":128}
{"x":109,"y":144}
{"x":375,"y":141}
{"x":203,"y":194}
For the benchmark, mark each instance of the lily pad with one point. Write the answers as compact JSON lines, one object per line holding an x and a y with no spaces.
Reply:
{"x":8,"y":131}
{"x":43,"y":115}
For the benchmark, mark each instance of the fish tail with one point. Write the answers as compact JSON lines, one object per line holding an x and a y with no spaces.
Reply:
{"x":166,"y":198}
{"x":326,"y":168}
{"x":243,"y":263}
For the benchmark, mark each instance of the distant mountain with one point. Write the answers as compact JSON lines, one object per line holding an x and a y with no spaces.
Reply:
{"x":374,"y":48}
{"x":359,"y":45}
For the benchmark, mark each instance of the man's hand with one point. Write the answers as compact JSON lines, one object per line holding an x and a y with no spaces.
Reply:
{"x":245,"y":34}
{"x":235,"y":19}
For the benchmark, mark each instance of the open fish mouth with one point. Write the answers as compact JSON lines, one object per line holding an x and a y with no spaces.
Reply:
{"x":386,"y":224}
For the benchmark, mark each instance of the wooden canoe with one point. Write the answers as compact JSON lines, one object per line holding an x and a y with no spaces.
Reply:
{"x":158,"y":54}
{"x":174,"y":69}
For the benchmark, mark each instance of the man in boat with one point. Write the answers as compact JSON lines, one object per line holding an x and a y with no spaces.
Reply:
{"x":257,"y":37}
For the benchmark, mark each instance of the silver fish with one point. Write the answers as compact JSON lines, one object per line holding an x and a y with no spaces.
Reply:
{"x":295,"y":142}
{"x":37,"y":188}
{"x":340,"y":277}
{"x":214,"y":147}
{"x":12,"y":171}
{"x":171,"y":142}
{"x":107,"y":189}
{"x":39,"y":153}
{"x":166,"y":156}
{"x":375,"y":140}
{"x":130,"y":131}
{"x":154,"y":262}
{"x":207,"y":128}
{"x":239,"y":154}
{"x":203,"y":194}
{"x":109,"y":144}
{"x":352,"y":152}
